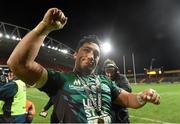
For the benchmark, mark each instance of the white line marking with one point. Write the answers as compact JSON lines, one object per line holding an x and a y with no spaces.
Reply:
{"x":148,"y":119}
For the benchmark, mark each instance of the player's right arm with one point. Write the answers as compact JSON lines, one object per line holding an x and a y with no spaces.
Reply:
{"x":22,"y":60}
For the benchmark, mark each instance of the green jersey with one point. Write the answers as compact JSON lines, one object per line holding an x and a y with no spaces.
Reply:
{"x":72,"y":104}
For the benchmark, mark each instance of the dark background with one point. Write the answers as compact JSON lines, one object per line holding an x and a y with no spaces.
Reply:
{"x":148,"y":28}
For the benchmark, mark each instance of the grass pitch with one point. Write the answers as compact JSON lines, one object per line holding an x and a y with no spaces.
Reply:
{"x":167,"y":112}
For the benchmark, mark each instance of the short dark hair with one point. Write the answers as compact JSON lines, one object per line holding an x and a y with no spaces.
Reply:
{"x":88,"y":39}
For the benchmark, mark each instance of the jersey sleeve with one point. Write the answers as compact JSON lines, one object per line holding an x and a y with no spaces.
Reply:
{"x":54,"y":82}
{"x":115,"y":90}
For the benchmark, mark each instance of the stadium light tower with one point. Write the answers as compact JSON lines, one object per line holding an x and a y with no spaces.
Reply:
{"x":151,"y":64}
{"x":106,"y":46}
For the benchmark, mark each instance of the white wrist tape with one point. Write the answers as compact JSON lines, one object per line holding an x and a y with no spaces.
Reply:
{"x":139,"y":99}
{"x":38,"y":28}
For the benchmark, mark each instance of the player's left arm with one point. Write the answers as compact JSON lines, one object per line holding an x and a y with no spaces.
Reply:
{"x":137,"y":100}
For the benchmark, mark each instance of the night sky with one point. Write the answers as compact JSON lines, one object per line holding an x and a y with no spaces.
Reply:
{"x":148,"y":28}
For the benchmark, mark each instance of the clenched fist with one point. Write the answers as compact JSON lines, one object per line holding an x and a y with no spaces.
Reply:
{"x":149,"y":95}
{"x":54,"y":19}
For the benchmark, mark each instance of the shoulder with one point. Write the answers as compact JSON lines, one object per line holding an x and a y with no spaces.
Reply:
{"x":59,"y":74}
{"x":11,"y":83}
{"x":18,"y":82}
{"x":10,"y":86}
{"x":122,"y":77}
{"x":105,"y":80}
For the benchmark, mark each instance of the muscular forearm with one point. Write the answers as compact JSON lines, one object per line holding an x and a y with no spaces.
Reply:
{"x":22,"y":59}
{"x":129,"y":100}
{"x":134,"y":101}
{"x":137,"y":100}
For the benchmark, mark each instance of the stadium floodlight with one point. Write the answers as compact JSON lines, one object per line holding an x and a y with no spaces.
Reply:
{"x":7,"y":36}
{"x":106,"y":46}
{"x":17,"y":38}
{"x":43,"y":45}
{"x":56,"y":48}
{"x":64,"y":51}
{"x":49,"y":46}
{"x":1,"y":35}
{"x":14,"y":37}
{"x":160,"y":72}
{"x":53,"y":47}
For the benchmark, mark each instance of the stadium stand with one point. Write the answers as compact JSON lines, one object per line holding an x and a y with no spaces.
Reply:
{"x":52,"y":54}
{"x":170,"y":76}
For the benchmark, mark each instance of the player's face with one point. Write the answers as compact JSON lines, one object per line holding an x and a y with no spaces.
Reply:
{"x":87,"y":58}
{"x":110,"y":72}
